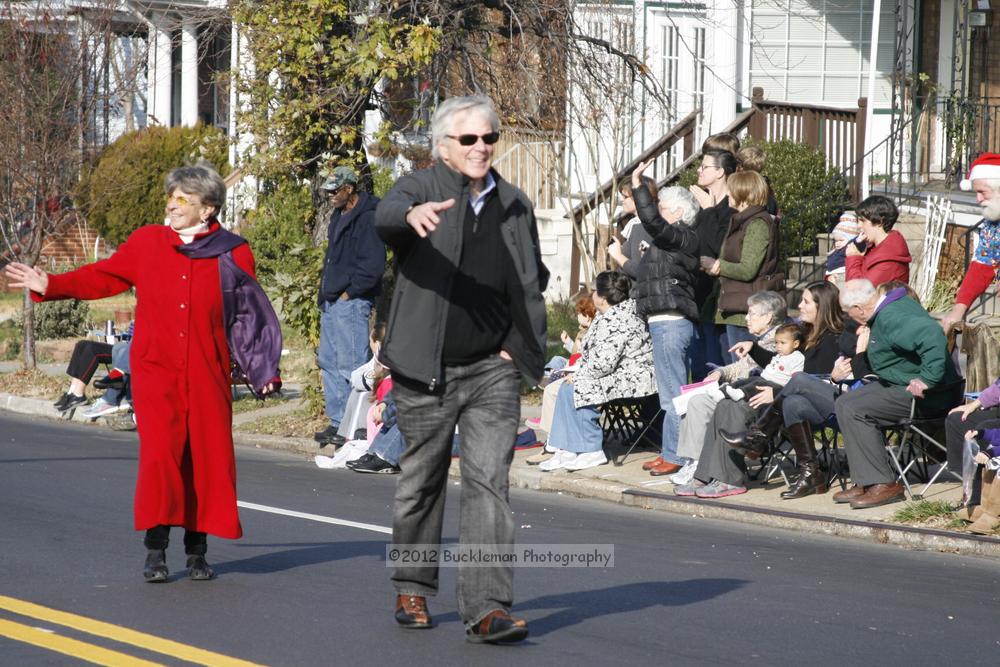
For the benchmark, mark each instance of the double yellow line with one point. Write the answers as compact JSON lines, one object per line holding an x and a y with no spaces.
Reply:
{"x":98,"y":654}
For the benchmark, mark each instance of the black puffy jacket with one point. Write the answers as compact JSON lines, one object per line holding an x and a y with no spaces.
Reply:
{"x":667,"y":270}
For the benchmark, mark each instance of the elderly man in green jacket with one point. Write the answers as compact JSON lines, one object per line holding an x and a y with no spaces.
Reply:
{"x":909,"y":353}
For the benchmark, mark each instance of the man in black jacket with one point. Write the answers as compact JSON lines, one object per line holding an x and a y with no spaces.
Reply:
{"x":352,"y":278}
{"x":467,"y":321}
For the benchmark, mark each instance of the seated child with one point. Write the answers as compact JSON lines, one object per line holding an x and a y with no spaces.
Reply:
{"x":786,"y":362}
{"x":585,"y":314}
{"x":352,"y":424}
{"x":846,"y":231}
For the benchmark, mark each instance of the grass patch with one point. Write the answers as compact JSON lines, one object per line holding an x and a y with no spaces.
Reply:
{"x":923,"y":510}
{"x":298,"y":424}
{"x":32,"y":383}
{"x":248,"y":403}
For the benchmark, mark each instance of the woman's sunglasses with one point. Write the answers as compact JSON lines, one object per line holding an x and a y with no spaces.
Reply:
{"x":471,"y":139}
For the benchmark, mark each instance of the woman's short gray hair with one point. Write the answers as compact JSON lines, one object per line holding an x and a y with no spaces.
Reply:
{"x":445,"y":114}
{"x":677,"y":197}
{"x":770,"y":303}
{"x":199,"y":180}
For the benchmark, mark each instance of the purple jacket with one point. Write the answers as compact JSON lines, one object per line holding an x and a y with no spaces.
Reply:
{"x":252,"y":327}
{"x":991,"y":437}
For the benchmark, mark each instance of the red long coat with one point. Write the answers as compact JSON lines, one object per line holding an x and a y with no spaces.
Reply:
{"x":180,"y":377}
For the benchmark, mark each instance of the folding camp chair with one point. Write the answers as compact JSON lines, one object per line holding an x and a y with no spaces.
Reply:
{"x":631,"y":421}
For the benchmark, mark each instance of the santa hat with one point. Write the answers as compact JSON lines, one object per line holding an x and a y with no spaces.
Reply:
{"x":987,"y":165}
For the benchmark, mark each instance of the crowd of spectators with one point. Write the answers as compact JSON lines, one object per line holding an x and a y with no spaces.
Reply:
{"x":698,"y":296}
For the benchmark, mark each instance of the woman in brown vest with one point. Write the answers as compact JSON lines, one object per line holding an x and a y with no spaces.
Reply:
{"x":748,"y":262}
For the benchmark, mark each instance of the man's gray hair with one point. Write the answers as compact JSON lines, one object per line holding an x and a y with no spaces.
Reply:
{"x":445,"y":114}
{"x":770,"y":303}
{"x":677,"y":197}
{"x":201,"y":180}
{"x":856,"y":292}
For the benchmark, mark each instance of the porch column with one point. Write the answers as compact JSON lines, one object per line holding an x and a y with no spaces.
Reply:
{"x":189,"y":73}
{"x":158,"y":75}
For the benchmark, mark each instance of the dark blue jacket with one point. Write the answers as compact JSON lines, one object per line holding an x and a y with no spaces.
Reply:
{"x":355,"y":255}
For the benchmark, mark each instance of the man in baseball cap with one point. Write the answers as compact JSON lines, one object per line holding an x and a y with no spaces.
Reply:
{"x":984,"y":180}
{"x":352,"y":278}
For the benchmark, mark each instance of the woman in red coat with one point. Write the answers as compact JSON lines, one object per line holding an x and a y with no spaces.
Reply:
{"x":886,"y":256}
{"x":180,"y":368}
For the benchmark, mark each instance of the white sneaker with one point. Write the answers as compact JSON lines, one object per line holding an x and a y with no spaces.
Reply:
{"x":100,"y":408}
{"x":561,"y":458}
{"x":587,"y":460}
{"x":684,"y":475}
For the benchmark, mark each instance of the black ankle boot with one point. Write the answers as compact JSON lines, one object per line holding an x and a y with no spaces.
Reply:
{"x":155,"y":569}
{"x":199,"y":569}
{"x":811,"y":479}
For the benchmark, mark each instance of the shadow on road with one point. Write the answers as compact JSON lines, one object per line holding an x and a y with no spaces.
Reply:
{"x":584,"y":605}
{"x":300,"y":554}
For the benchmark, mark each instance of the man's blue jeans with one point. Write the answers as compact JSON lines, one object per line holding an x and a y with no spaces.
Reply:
{"x":343,"y":346}
{"x":482,"y":398}
{"x":671,"y":339}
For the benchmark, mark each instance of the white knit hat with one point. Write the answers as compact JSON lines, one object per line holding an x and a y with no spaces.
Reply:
{"x":987,"y":165}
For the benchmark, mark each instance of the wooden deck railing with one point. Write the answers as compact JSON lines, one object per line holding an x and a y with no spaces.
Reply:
{"x":531,"y":160}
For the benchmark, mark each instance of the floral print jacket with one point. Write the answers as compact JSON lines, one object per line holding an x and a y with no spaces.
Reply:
{"x":617,"y":358}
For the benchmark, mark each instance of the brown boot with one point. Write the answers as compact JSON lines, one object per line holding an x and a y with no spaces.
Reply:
{"x":989,"y":519}
{"x":811,"y":479}
{"x":411,"y":612}
{"x":754,"y":442}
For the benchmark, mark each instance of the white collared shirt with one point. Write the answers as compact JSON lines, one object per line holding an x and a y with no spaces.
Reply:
{"x":489,"y":184}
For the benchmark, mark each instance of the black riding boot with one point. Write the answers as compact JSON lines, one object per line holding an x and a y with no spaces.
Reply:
{"x":811,"y":479}
{"x":755,"y":441}
{"x":156,"y":541}
{"x":196,"y":546}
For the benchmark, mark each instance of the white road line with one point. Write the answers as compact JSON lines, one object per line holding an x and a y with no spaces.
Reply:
{"x":315,"y":517}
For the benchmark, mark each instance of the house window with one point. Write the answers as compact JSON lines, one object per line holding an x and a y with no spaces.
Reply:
{"x":670,"y":40}
{"x":817,"y":50}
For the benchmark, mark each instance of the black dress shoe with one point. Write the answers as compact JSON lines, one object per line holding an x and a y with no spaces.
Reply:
{"x":497,"y":627}
{"x":328,"y":436}
{"x":155,"y":569}
{"x":199,"y":569}
{"x":108,"y":382}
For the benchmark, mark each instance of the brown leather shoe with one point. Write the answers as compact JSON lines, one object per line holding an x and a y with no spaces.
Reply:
{"x":847,"y":495}
{"x":411,"y":612}
{"x":879,"y":494}
{"x":664,"y":468}
{"x":497,"y":627}
{"x":649,"y":465}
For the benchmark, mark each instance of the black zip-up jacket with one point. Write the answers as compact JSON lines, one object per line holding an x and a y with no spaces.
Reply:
{"x":667,"y":272}
{"x":419,"y":312}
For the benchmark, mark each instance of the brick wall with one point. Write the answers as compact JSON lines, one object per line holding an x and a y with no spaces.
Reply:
{"x":72,"y":245}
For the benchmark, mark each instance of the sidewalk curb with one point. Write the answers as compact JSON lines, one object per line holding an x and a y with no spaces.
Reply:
{"x":911,"y":537}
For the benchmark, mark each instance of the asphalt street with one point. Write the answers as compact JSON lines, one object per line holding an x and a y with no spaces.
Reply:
{"x":313,"y":589}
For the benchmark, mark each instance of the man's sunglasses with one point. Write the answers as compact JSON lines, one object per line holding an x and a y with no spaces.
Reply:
{"x":471,"y":139}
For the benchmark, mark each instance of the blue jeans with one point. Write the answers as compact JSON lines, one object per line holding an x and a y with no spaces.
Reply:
{"x":671,"y":340}
{"x":736,"y":334}
{"x":482,"y":398}
{"x":575,"y":429}
{"x":343,"y":346}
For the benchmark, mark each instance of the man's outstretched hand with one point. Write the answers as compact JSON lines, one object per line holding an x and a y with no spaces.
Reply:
{"x":424,"y":217}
